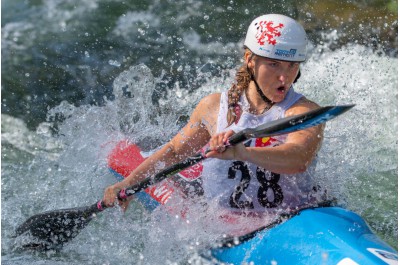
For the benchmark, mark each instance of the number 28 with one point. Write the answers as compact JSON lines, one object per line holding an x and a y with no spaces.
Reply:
{"x":266,"y":184}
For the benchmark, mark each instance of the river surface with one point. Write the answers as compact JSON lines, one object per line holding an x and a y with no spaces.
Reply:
{"x":78,"y":76}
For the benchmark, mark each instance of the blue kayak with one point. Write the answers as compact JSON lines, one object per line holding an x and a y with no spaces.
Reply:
{"x":328,"y":235}
{"x":325,"y":235}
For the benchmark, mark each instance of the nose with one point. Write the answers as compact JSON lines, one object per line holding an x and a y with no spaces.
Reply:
{"x":282,"y":77}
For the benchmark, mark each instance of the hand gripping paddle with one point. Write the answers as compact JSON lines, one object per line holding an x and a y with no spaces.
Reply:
{"x":53,"y":228}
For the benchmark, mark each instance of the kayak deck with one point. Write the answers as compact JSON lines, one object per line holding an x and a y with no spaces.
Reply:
{"x":329,"y":235}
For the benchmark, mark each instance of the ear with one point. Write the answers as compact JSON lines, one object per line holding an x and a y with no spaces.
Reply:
{"x":297,"y":77}
{"x":248,"y":59}
{"x":250,"y":63}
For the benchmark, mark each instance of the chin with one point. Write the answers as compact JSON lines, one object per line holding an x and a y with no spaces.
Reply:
{"x":279,"y":98}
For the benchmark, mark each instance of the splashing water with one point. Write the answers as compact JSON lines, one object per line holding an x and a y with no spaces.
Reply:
{"x":72,"y":73}
{"x":63,"y":163}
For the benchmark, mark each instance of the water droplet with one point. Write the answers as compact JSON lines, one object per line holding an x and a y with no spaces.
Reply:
{"x":114,"y":63}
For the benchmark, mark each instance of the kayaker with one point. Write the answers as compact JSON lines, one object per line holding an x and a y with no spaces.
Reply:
{"x":262,"y":176}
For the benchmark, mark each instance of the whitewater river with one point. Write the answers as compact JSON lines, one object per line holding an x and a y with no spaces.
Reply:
{"x":78,"y":76}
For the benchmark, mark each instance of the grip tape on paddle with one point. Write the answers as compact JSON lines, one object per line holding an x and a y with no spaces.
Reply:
{"x":122,"y":195}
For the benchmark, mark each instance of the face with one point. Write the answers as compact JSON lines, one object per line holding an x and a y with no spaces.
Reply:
{"x":274,"y":76}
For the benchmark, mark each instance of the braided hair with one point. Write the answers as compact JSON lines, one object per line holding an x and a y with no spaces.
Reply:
{"x":242,"y":78}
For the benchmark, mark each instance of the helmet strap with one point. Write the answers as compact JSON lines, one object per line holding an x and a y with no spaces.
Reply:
{"x":264,"y":97}
{"x":259,"y":91}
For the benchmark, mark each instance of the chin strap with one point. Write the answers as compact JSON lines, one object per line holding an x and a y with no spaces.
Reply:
{"x":264,"y":97}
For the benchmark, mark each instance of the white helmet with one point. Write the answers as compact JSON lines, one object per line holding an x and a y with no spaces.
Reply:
{"x":277,"y":37}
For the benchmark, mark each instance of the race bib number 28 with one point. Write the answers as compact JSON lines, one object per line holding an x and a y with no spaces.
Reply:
{"x":269,"y":194}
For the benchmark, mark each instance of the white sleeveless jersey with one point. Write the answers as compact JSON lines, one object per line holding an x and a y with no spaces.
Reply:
{"x":243,"y":187}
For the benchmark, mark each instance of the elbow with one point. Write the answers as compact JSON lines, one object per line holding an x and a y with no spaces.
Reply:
{"x":303,"y":164}
{"x":302,"y":168}
{"x":294,"y":169}
{"x":299,"y":166}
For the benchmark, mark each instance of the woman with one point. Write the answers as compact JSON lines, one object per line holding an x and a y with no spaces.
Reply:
{"x":262,"y":176}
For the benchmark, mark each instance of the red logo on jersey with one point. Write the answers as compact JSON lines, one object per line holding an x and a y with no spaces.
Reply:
{"x":266,"y":31}
{"x":266,"y":141}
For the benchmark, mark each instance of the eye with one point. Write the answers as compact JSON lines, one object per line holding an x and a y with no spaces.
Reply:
{"x":293,"y":66}
{"x":273,"y":64}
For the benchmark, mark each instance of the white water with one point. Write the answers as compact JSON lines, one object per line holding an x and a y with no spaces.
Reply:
{"x":42,"y":171}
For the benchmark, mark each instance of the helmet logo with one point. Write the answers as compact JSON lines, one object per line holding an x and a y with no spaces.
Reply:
{"x":266,"y":31}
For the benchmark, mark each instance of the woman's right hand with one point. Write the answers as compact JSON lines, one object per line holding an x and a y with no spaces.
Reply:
{"x":111,"y":196}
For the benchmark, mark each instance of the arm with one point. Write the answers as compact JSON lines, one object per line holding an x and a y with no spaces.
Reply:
{"x":289,"y":158}
{"x":189,"y":140}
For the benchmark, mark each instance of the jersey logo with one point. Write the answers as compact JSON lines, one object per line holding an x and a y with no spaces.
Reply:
{"x":266,"y":141}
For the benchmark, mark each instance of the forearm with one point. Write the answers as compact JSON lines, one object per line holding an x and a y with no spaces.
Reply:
{"x":173,"y":152}
{"x":161,"y":159}
{"x":291,"y":157}
{"x":284,"y":159}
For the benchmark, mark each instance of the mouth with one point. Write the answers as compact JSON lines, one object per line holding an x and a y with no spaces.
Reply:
{"x":281,"y":89}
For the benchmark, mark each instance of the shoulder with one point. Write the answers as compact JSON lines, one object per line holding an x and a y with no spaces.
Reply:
{"x":212,"y":98}
{"x":301,"y":106}
{"x":209,"y":103}
{"x":206,"y":112}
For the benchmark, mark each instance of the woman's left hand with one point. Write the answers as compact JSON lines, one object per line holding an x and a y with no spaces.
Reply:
{"x":219,"y":149}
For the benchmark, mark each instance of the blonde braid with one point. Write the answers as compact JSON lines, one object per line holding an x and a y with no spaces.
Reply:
{"x":243,"y":79}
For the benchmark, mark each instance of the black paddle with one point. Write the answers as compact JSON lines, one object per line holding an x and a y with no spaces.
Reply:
{"x":52,"y":229}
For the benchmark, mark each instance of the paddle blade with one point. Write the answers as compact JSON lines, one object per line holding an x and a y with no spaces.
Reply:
{"x":298,"y":122}
{"x":54,"y":228}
